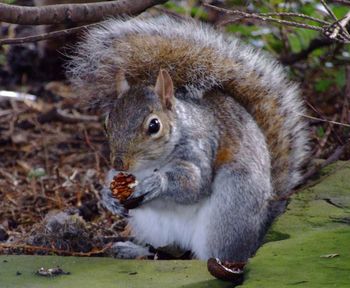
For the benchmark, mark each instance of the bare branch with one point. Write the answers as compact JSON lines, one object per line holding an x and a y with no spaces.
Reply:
{"x":261,"y":17}
{"x":68,"y":13}
{"x":330,"y":12}
{"x":344,"y":2}
{"x":45,"y":36}
{"x":288,"y":14}
{"x":341,"y":28}
{"x":332,"y":158}
{"x":338,"y":26}
{"x":335,"y":31}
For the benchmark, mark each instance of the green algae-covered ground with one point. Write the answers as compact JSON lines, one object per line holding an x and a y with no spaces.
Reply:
{"x":316,"y":225}
{"x":96,"y":272}
{"x":311,"y":248}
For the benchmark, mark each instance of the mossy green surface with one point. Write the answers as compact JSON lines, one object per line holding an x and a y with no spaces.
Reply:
{"x":96,"y":272}
{"x":316,"y":224}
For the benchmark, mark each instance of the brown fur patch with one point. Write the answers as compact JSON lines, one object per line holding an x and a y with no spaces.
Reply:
{"x":266,"y":113}
{"x":177,"y":56}
{"x":229,"y":143}
{"x":147,"y":54}
{"x":224,"y":156}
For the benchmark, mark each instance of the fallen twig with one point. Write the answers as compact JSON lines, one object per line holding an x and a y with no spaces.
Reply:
{"x":314,"y":171}
{"x":332,"y":158}
{"x":325,"y":137}
{"x":60,"y":115}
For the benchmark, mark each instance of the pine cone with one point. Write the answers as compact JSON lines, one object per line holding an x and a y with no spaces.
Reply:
{"x":123,"y":185}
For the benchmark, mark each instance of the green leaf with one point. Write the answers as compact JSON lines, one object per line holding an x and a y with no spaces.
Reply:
{"x":340,"y":77}
{"x":320,"y":132}
{"x":241,"y":29}
{"x":323,"y":85}
{"x":199,"y":12}
{"x":294,"y":43}
{"x":305,"y":37}
{"x":340,"y":11}
{"x":171,"y":5}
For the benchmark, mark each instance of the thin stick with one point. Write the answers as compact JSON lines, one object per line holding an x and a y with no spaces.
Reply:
{"x":326,"y":29}
{"x":325,"y":137}
{"x":332,"y":158}
{"x":330,"y":12}
{"x":262,"y":18}
{"x":289,"y":14}
{"x":344,"y":2}
{"x":341,"y":27}
{"x":315,"y":170}
{"x":45,"y":36}
{"x":325,"y":120}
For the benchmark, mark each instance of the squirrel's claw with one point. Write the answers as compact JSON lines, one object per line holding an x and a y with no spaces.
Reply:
{"x":133,"y":202}
{"x":148,"y":189}
{"x":112,"y":204}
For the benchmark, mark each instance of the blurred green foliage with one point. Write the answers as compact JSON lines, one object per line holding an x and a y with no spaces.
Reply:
{"x":323,"y":66}
{"x":315,"y":63}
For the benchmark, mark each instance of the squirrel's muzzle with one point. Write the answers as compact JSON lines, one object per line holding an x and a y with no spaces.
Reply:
{"x":119,"y":163}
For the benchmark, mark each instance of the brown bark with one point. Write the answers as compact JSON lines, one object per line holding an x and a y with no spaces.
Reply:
{"x":73,"y":13}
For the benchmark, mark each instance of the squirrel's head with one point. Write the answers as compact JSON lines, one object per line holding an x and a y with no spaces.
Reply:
{"x":139,"y":125}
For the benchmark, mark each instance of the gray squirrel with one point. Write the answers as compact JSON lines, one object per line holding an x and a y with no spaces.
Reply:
{"x":210,"y":127}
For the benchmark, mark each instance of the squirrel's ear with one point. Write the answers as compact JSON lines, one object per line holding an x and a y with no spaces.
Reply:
{"x":122,"y":85}
{"x":165,"y":89}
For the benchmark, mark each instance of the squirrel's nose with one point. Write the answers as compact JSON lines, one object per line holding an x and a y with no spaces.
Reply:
{"x":120,"y":165}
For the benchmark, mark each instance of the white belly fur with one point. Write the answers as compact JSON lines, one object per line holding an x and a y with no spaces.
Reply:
{"x":161,"y":223}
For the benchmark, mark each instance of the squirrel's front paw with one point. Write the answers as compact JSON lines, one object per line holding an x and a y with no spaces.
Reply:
{"x":111,"y":203}
{"x":146,"y":190}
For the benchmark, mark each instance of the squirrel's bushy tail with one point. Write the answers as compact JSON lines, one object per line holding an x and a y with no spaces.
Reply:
{"x":202,"y":58}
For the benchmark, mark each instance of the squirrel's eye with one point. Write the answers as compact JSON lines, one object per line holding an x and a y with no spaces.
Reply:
{"x":153,"y":126}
